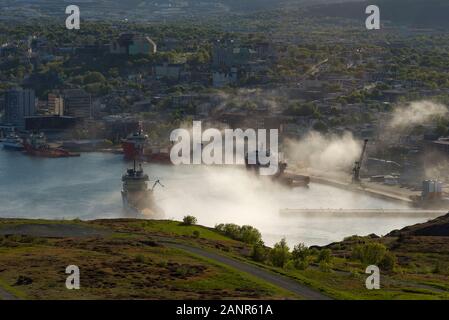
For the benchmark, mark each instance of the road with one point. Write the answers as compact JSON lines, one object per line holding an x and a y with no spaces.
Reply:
{"x":272,"y":278}
{"x":5,"y":295}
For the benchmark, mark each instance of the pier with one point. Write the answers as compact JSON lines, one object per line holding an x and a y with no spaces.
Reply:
{"x":363,"y":212}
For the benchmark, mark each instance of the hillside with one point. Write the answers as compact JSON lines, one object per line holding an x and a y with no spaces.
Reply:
{"x":123,"y":259}
{"x":438,"y":227}
{"x":146,"y":259}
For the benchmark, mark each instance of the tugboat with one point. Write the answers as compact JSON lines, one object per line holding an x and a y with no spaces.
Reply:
{"x":138,"y":199}
{"x":38,"y":146}
{"x":13,"y":142}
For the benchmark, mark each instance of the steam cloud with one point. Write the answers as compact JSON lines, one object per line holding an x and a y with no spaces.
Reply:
{"x":416,"y":113}
{"x":331,"y":153}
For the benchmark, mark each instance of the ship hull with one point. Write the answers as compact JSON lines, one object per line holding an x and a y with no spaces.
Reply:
{"x":12,"y":147}
{"x":141,"y":205}
{"x":130,"y":151}
{"x":48,"y":152}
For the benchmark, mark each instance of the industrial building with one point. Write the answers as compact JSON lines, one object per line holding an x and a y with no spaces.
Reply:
{"x":51,"y":123}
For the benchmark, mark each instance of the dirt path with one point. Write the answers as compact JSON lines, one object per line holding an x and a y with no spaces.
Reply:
{"x":277,"y":280}
{"x":52,"y":230}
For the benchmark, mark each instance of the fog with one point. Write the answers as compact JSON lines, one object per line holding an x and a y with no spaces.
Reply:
{"x":331,"y":153}
{"x":233,"y":195}
{"x":416,"y":113}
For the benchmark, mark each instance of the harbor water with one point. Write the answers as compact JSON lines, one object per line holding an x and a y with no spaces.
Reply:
{"x":89,"y":187}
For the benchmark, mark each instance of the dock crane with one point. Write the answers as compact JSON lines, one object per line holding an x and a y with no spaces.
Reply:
{"x":358,"y":165}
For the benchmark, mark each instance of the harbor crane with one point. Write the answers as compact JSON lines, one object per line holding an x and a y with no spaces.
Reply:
{"x":358,"y":165}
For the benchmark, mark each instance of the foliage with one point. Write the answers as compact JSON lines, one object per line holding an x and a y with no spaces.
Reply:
{"x":259,"y":252}
{"x":371,"y":253}
{"x":324,"y":255}
{"x":280,"y":254}
{"x":247,"y":234}
{"x":189,"y":220}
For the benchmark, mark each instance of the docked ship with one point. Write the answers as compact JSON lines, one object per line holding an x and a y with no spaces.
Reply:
{"x":134,"y":145}
{"x":37,"y":146}
{"x":281,"y":176}
{"x":13,"y":142}
{"x":137,"y":147}
{"x":138,"y":199}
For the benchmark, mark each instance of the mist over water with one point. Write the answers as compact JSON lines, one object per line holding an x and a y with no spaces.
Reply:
{"x":89,"y":188}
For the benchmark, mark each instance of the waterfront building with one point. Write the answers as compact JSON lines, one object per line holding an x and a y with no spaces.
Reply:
{"x":19,"y":103}
{"x":77,"y":103}
{"x":55,"y":104}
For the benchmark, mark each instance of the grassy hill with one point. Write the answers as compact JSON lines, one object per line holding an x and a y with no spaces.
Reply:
{"x":120,"y":259}
{"x":146,"y":259}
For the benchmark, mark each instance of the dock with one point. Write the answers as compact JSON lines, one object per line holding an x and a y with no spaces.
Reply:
{"x":362,"y":212}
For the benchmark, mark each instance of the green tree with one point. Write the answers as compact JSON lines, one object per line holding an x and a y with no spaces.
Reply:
{"x":324,"y":256}
{"x":370,"y":253}
{"x":189,"y":220}
{"x":259,"y":252}
{"x":280,"y":254}
{"x":93,"y":77}
{"x":249,"y":234}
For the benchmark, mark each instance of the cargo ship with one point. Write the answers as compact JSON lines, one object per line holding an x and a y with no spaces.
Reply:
{"x":137,"y":198}
{"x":134,"y":145}
{"x":281,"y":177}
{"x":13,"y":142}
{"x":36,"y":145}
{"x":137,"y":147}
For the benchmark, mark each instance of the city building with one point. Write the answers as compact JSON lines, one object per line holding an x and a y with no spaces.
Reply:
{"x":226,"y":54}
{"x":168,"y":71}
{"x":133,"y":44}
{"x":222,"y":79}
{"x":19,"y":103}
{"x":77,"y":103}
{"x":55,"y":104}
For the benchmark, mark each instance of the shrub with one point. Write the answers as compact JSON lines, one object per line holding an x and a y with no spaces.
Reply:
{"x":196,"y":234}
{"x":300,"y":252}
{"x":300,"y":256}
{"x":370,"y":253}
{"x":324,"y":256}
{"x":302,"y":264}
{"x":325,"y":266}
{"x":247,"y":234}
{"x":290,"y":265}
{"x":280,"y":254}
{"x":259,"y":252}
{"x":388,"y":262}
{"x":189,"y":220}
